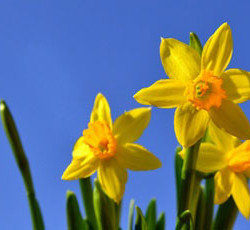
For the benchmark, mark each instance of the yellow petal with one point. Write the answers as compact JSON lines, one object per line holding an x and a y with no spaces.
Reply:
{"x":112,"y":177}
{"x":190,"y":124}
{"x":129,"y":126}
{"x":217,"y":51}
{"x":80,"y":149}
{"x":223,"y":181}
{"x":81,"y":168}
{"x":179,"y":60}
{"x":210,"y":158}
{"x":239,"y":158}
{"x":101,"y":110}
{"x":236,"y":82}
{"x":231,"y":118}
{"x":224,"y":141}
{"x":241,"y":195}
{"x":166,"y":93}
{"x":136,"y":157}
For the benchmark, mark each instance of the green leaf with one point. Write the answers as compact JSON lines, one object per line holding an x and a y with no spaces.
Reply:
{"x":209,"y":198}
{"x":74,"y":218}
{"x":185,"y":219}
{"x":201,"y":210}
{"x":87,"y":196}
{"x":160,"y":225}
{"x":23,"y":165}
{"x":104,"y":209}
{"x":131,"y":214}
{"x":195,"y":42}
{"x":178,"y":168}
{"x":140,"y":222}
{"x":151,"y":215}
{"x":226,"y":215}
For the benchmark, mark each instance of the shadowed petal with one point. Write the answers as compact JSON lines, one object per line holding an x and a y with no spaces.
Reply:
{"x":231,"y":118}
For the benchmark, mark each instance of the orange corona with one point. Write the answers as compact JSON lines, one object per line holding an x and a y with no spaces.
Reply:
{"x":100,"y":139}
{"x":205,"y":91}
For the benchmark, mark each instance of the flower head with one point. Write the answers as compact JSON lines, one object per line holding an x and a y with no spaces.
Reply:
{"x":200,"y":88}
{"x":231,"y":159}
{"x":108,"y":149}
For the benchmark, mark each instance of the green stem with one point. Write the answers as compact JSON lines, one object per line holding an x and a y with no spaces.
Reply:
{"x":87,"y":196}
{"x":226,"y":215}
{"x":189,"y":178}
{"x":23,"y":165}
{"x":209,"y":203}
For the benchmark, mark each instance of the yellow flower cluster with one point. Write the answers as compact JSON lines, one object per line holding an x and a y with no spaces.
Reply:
{"x":206,"y":96}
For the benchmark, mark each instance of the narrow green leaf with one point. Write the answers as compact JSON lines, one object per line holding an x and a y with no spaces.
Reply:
{"x":209,"y":199}
{"x":195,"y":42}
{"x":131,"y":214}
{"x":104,"y":209}
{"x":87,"y":196}
{"x":151,"y":215}
{"x":185,"y":219}
{"x":178,"y":168}
{"x":226,"y":215}
{"x":189,"y":179}
{"x":201,"y":210}
{"x":23,"y":165}
{"x":160,"y":225}
{"x":140,"y":222}
{"x":74,"y":218}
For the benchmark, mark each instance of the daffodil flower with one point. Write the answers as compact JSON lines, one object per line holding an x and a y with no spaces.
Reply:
{"x":231,"y":159}
{"x":108,"y":149}
{"x":200,"y":88}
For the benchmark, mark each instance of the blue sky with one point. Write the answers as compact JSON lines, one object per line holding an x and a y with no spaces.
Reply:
{"x":57,"y":55}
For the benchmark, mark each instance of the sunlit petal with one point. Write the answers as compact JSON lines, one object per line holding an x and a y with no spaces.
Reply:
{"x":129,"y":126}
{"x":101,"y":110}
{"x":224,"y":180}
{"x":210,"y":158}
{"x":179,"y":60}
{"x":190,"y":124}
{"x":218,"y":50}
{"x":241,"y":195}
{"x":81,"y":168}
{"x":113,"y":178}
{"x":236,"y":82}
{"x":166,"y":93}
{"x":136,"y":157}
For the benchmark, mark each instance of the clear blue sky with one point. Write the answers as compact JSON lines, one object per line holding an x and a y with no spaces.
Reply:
{"x":57,"y":55}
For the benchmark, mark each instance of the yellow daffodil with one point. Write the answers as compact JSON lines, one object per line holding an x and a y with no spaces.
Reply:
{"x":231,"y":159}
{"x":200,"y":88}
{"x":108,"y":149}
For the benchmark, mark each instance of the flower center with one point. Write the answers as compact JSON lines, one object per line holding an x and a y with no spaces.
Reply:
{"x":239,"y":158}
{"x":205,"y":91}
{"x":100,"y":139}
